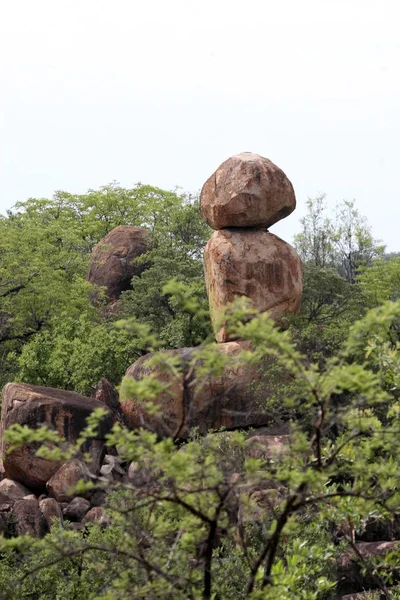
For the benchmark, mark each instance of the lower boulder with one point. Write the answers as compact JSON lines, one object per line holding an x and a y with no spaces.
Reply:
{"x":35,"y":406}
{"x":28,"y":517}
{"x":193,"y":398}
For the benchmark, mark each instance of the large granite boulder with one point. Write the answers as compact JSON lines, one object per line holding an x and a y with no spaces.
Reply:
{"x":35,"y":406}
{"x":203,"y":401}
{"x":247,"y":190}
{"x":112,"y":263}
{"x":256,"y":264}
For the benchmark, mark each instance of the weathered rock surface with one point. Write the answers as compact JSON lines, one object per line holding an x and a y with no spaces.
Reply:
{"x":13,"y":490}
{"x":220,"y":401}
{"x":51,"y":511}
{"x":28,"y":517}
{"x":61,"y":485}
{"x":247,"y":190}
{"x":106,"y":393}
{"x":112,"y":263}
{"x":97,"y":515}
{"x":58,"y":409}
{"x":256,"y":264}
{"x":76,"y":509}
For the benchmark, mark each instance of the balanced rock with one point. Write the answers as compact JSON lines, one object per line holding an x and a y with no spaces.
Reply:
{"x":188,"y":401}
{"x":256,"y":264}
{"x":112,"y":263}
{"x":34,"y":406}
{"x":247,"y":190}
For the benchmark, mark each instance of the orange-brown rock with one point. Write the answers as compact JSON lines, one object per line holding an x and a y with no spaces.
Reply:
{"x":210,"y":402}
{"x":247,"y":190}
{"x":256,"y":264}
{"x":35,"y":406}
{"x":112,"y":263}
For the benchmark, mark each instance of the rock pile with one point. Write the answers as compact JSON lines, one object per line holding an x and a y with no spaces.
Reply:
{"x":246,"y":195}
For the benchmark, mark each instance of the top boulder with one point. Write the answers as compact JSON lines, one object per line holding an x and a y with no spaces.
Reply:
{"x":247,"y":190}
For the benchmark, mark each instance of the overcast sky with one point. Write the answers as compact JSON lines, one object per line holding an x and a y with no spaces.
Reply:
{"x":162,"y":91}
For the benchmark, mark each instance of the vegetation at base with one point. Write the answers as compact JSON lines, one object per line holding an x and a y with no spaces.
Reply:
{"x":208,"y":519}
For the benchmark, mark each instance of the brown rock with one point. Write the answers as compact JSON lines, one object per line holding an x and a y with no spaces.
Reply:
{"x":97,"y":515}
{"x":13,"y":490}
{"x":112,"y":263}
{"x":255,"y":264}
{"x":106,"y":393}
{"x":61,"y":485}
{"x":51,"y":511}
{"x":36,"y":406}
{"x":247,"y":190}
{"x":28,"y":518}
{"x":76,"y":509}
{"x":215,"y":401}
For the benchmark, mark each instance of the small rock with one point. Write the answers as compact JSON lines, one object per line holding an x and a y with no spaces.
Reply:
{"x":50,"y":510}
{"x":13,"y":490}
{"x":28,"y":518}
{"x":61,"y":485}
{"x":97,"y":515}
{"x":76,"y":509}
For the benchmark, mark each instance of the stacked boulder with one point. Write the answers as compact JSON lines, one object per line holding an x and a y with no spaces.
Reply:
{"x":245,"y":196}
{"x":241,"y":200}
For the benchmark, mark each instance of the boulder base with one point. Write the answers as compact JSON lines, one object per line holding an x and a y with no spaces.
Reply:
{"x":35,"y":406}
{"x":247,"y":190}
{"x":256,"y":264}
{"x":203,"y":401}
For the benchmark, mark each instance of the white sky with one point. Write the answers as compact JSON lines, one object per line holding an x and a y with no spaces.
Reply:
{"x":163,"y":91}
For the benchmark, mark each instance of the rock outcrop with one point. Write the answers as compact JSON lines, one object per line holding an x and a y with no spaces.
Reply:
{"x":255,"y":264}
{"x":34,"y":406}
{"x":247,"y":190}
{"x":112,"y":263}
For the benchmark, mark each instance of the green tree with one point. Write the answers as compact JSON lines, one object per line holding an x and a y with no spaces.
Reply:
{"x":344,"y":242}
{"x":189,"y":516}
{"x":45,"y":249}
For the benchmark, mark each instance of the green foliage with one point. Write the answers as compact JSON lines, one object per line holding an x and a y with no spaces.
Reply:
{"x":49,"y":331}
{"x":208,"y":519}
{"x":344,"y":243}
